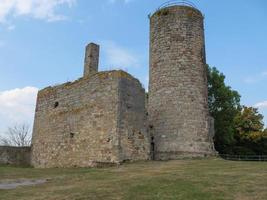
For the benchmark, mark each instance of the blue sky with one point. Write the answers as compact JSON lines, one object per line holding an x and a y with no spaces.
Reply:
{"x":42,"y":43}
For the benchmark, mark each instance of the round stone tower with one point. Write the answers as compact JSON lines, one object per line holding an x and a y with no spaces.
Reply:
{"x":179,"y":119}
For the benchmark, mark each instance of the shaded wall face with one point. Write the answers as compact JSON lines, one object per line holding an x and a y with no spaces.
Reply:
{"x":134,"y":139}
{"x":19,"y":156}
{"x":178,"y":109}
{"x":76,"y":124}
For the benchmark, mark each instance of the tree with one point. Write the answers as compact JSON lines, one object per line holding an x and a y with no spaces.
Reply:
{"x":224,"y":105}
{"x":249,"y":120}
{"x":19,"y":135}
{"x":250,"y":134}
{"x":238,"y":130}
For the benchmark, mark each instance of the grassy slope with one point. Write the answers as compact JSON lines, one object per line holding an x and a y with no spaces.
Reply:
{"x":184,"y":179}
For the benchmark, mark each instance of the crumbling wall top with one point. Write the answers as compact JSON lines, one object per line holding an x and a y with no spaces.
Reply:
{"x":114,"y":74}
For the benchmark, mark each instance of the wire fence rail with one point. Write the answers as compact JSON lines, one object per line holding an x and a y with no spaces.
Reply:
{"x":177,"y":2}
{"x":174,"y":3}
{"x":244,"y":157}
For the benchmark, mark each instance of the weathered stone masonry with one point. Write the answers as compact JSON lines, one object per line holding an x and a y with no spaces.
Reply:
{"x":91,"y":60}
{"x":15,"y":155}
{"x":104,"y":117}
{"x":94,"y":120}
{"x":178,"y":108}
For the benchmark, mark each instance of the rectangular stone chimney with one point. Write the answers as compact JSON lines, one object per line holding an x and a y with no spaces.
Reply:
{"x":91,"y":60}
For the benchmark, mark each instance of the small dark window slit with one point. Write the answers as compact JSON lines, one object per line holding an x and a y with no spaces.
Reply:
{"x":56,"y":104}
{"x":152,"y":148}
{"x":72,"y":135}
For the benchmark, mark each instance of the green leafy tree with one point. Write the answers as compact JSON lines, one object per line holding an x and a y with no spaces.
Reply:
{"x":248,"y":121}
{"x":250,"y":134}
{"x":238,"y":130}
{"x":224,"y":105}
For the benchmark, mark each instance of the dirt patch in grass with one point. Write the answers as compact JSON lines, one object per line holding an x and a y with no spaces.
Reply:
{"x":12,"y":184}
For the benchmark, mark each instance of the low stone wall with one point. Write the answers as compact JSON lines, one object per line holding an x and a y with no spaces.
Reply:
{"x":15,"y":155}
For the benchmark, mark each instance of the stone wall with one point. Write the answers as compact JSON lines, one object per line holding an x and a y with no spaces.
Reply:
{"x":134,"y":139}
{"x":79,"y":123}
{"x":178,"y":108}
{"x":15,"y":155}
{"x":102,"y":117}
{"x":91,"y":59}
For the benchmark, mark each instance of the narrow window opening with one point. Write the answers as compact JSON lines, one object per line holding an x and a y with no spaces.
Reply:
{"x":152,"y":148}
{"x":72,"y":135}
{"x":56,"y":104}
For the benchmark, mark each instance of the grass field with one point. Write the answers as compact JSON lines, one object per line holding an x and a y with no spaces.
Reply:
{"x":183,"y":179}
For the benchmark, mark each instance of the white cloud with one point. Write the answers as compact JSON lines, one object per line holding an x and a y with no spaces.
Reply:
{"x":256,"y":78}
{"x":118,"y":57}
{"x":11,"y":27}
{"x":17,"y":106}
{"x":264,"y":73}
{"x":250,"y":80}
{"x":145,"y":82}
{"x":261,"y":105}
{"x":2,"y":43}
{"x":39,"y":9}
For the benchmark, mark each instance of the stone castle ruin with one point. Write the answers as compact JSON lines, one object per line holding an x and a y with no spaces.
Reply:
{"x":104,"y":117}
{"x":97,"y":119}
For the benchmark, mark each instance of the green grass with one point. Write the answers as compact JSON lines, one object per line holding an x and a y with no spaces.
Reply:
{"x":183,"y":179}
